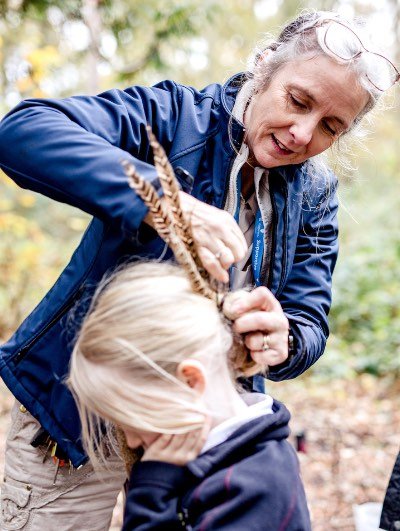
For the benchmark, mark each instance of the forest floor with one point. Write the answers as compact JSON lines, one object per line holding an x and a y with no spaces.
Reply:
{"x":352,"y":436}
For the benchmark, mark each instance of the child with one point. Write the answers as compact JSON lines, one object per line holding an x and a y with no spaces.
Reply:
{"x":159,"y":361}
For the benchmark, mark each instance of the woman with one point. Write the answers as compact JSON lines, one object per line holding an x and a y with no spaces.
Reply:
{"x":251,"y":146}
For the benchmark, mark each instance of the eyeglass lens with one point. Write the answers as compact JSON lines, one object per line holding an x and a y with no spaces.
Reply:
{"x":345,"y":44}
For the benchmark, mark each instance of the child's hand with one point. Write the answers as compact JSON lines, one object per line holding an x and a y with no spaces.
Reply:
{"x":177,"y":449}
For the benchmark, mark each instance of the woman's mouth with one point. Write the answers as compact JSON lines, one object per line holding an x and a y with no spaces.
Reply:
{"x":279,"y":147}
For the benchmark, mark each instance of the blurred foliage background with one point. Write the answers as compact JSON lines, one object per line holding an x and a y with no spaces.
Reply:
{"x":64,"y":47}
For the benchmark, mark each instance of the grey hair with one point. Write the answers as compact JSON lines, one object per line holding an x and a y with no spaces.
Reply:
{"x":299,"y":38}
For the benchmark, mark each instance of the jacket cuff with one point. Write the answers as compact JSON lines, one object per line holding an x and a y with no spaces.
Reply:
{"x":296,"y":353}
{"x":133,"y":219}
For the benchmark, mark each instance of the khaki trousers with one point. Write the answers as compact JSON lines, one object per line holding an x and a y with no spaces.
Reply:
{"x":80,"y":500}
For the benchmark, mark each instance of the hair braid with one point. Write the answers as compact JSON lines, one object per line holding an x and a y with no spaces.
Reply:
{"x":171,"y":192}
{"x":165,"y":227}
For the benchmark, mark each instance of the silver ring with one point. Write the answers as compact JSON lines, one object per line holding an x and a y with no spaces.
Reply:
{"x":265,"y":345}
{"x":218,"y":255}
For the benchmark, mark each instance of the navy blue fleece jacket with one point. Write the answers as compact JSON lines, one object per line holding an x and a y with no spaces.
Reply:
{"x":249,"y":482}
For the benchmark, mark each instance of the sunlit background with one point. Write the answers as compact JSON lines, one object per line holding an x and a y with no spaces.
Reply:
{"x":56,"y":49}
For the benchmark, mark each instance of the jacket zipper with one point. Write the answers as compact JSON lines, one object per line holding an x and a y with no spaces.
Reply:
{"x":285,"y":237}
{"x":273,"y":243}
{"x":63,"y":310}
{"x":227,"y":181}
{"x":266,"y":235}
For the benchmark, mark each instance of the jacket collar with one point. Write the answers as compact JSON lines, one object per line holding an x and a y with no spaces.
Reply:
{"x":257,"y":405}
{"x":265,"y":428}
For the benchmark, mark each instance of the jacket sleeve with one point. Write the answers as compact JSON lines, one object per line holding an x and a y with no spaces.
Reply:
{"x":233,"y":499}
{"x":307,"y":295}
{"x":71,"y":150}
{"x":264,"y":494}
{"x":152,"y":502}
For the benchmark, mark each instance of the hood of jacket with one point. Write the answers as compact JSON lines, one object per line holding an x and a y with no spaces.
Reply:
{"x":243,"y":441}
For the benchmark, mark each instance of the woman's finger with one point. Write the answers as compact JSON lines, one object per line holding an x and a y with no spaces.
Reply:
{"x":255,"y":340}
{"x":265,"y":341}
{"x":212,"y":265}
{"x":269,"y":357}
{"x":225,"y":256}
{"x":261,"y":321}
{"x":267,"y":349}
{"x":209,"y":223}
{"x":221,"y":252}
{"x":260,"y":298}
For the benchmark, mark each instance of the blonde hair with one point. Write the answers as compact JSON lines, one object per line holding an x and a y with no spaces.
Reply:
{"x":142,"y":323}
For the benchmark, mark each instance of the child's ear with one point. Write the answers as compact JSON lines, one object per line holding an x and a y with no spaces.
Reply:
{"x":192,"y":372}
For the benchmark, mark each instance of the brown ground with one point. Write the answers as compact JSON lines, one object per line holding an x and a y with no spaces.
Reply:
{"x":352,"y":437}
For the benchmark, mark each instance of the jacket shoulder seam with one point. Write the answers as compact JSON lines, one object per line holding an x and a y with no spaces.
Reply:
{"x":200,"y":98}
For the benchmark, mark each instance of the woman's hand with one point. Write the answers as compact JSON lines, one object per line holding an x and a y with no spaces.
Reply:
{"x":259,"y":316}
{"x":218,"y":238}
{"x":220,"y":242}
{"x":177,"y":449}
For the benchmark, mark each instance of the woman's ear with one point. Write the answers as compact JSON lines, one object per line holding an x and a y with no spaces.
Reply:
{"x":265,"y":55}
{"x":192,"y":372}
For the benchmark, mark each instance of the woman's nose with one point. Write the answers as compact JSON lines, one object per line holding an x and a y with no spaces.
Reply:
{"x":303,"y":130}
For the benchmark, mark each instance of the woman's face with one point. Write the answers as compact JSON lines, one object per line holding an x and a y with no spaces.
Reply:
{"x":305,"y":108}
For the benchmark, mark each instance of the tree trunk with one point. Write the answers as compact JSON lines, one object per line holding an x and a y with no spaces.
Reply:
{"x":91,"y":16}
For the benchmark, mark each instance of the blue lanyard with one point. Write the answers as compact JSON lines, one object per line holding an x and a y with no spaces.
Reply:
{"x":258,"y":237}
{"x":238,"y":192}
{"x":258,"y":248}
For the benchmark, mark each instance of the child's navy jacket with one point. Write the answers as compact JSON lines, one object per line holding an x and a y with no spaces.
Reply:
{"x":249,"y":482}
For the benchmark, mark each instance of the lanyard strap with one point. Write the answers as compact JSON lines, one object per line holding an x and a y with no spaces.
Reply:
{"x":258,"y":248}
{"x":258,"y":237}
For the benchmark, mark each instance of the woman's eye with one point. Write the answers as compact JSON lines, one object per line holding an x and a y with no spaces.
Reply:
{"x":329,"y":129}
{"x":297,"y":103}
